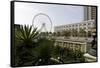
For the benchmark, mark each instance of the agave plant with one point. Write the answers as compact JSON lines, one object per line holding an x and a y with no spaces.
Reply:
{"x":26,"y":33}
{"x":25,"y":38}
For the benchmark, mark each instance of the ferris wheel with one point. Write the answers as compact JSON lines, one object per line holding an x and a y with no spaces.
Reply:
{"x":42,"y":22}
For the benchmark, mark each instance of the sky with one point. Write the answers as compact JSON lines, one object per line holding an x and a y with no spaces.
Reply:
{"x":58,"y":14}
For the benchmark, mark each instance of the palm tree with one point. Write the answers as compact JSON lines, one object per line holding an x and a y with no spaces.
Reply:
{"x":54,"y":33}
{"x":82,"y":32}
{"x":66,"y":33}
{"x":76,"y":32}
{"x":58,"y":33}
{"x":25,"y":38}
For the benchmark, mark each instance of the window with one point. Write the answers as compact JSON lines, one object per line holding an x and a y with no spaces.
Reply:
{"x":89,"y":23}
{"x":84,"y":24}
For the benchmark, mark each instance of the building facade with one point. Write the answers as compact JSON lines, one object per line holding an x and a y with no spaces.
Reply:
{"x":89,"y":13}
{"x":86,"y":25}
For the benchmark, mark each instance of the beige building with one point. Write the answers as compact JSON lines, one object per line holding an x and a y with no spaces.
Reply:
{"x":86,"y":25}
{"x":90,"y":13}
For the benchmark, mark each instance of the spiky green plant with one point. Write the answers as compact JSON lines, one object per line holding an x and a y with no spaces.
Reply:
{"x":26,"y":33}
{"x":25,"y":40}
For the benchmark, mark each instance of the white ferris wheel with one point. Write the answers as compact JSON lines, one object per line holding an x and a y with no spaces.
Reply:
{"x":42,"y":22}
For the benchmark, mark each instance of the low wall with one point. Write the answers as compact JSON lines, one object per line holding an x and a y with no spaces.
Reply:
{"x":81,"y":46}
